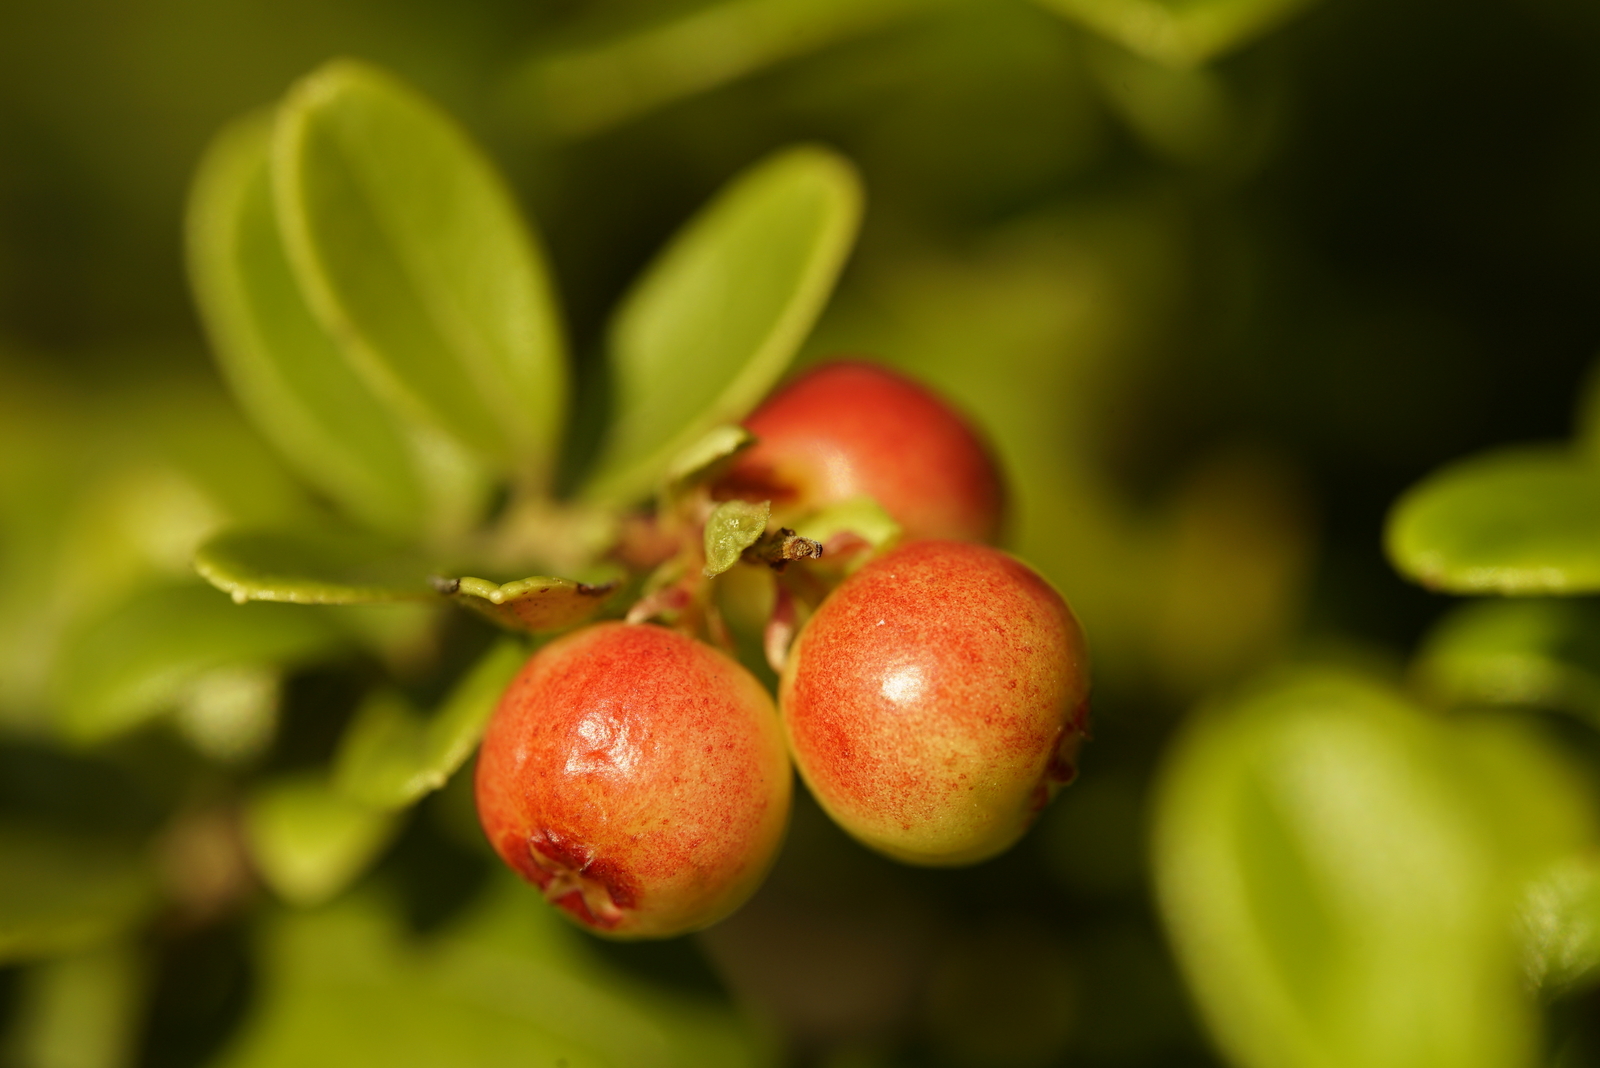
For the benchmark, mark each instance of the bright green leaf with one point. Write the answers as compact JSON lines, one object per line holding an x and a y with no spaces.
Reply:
{"x":1180,"y":33}
{"x":62,"y":893}
{"x":306,"y":568}
{"x":716,"y":318}
{"x":309,"y":841}
{"x":84,"y":1010}
{"x":390,"y":757}
{"x":532,"y":604}
{"x":731,"y":529}
{"x":510,"y":983}
{"x":411,"y":248}
{"x":284,"y":367}
{"x":1540,"y":653}
{"x":146,"y":655}
{"x":1330,"y":888}
{"x":861,"y":516}
{"x":1514,"y":521}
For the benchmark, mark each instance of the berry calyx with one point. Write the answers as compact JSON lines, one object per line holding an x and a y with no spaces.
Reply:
{"x":936,"y":701}
{"x":850,"y":428}
{"x":638,"y":777}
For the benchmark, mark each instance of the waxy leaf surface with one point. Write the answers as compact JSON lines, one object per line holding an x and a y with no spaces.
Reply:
{"x":1540,"y":653}
{"x":390,"y":756}
{"x":411,"y":248}
{"x":284,"y":367}
{"x":717,"y":317}
{"x":731,"y":529}
{"x":307,"y":568}
{"x":1515,"y":521}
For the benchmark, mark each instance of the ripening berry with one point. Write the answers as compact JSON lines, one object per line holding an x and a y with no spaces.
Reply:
{"x":850,"y":428}
{"x":638,"y":777}
{"x":936,"y":701}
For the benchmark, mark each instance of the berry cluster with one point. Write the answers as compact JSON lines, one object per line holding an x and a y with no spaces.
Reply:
{"x":933,"y":699}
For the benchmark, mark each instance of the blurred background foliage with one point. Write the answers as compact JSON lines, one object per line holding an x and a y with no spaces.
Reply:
{"x":1220,"y":278}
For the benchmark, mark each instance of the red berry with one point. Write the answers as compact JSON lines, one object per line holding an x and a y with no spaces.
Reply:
{"x":638,"y":777}
{"x":850,"y":428}
{"x":936,"y":701}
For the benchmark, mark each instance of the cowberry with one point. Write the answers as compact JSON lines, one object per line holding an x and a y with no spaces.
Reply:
{"x":850,"y":428}
{"x":638,"y":777}
{"x":936,"y":701}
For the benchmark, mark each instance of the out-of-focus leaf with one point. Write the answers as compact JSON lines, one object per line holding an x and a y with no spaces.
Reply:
{"x":731,"y":529}
{"x":231,"y":713}
{"x":540,"y":603}
{"x":1514,"y":521}
{"x":284,"y":367}
{"x":716,"y":318}
{"x":309,"y":841}
{"x":141,"y":658}
{"x":704,"y":457}
{"x":508,"y":984}
{"x":1330,"y":888}
{"x":80,"y":1011}
{"x":307,"y":568}
{"x":1181,"y":33}
{"x":412,"y":250}
{"x":62,"y":893}
{"x":585,"y":90}
{"x":1558,"y":922}
{"x":861,"y":516}
{"x":390,"y":757}
{"x":1542,"y":653}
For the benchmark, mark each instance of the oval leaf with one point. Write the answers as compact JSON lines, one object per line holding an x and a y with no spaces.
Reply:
{"x":1516,"y":521}
{"x":303,"y":568}
{"x":1180,"y":34}
{"x":283,"y":366}
{"x":411,"y":248}
{"x":718,"y":316}
{"x":144,"y":656}
{"x":532,"y":604}
{"x":731,"y":529}
{"x":1330,"y":889}
{"x":309,"y":841}
{"x":390,"y":757}
{"x":1538,"y":653}
{"x":1558,"y":923}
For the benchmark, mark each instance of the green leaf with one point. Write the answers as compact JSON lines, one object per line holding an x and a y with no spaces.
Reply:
{"x":532,"y":604}
{"x":731,"y":529}
{"x":1540,"y":653}
{"x":412,"y":250}
{"x":62,"y":893}
{"x":283,"y":366}
{"x":390,"y":757}
{"x":1558,"y":924}
{"x":1330,"y":887}
{"x":1180,"y":33}
{"x":145,"y":655}
{"x":509,"y":983}
{"x":1514,"y":521}
{"x":307,"y":568}
{"x":309,"y":841}
{"x":583,"y":91}
{"x":861,"y":516}
{"x":712,"y":324}
{"x":701,"y":460}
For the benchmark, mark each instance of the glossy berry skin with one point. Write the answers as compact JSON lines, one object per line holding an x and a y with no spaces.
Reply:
{"x":936,"y":701}
{"x":638,"y":777}
{"x":850,"y":428}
